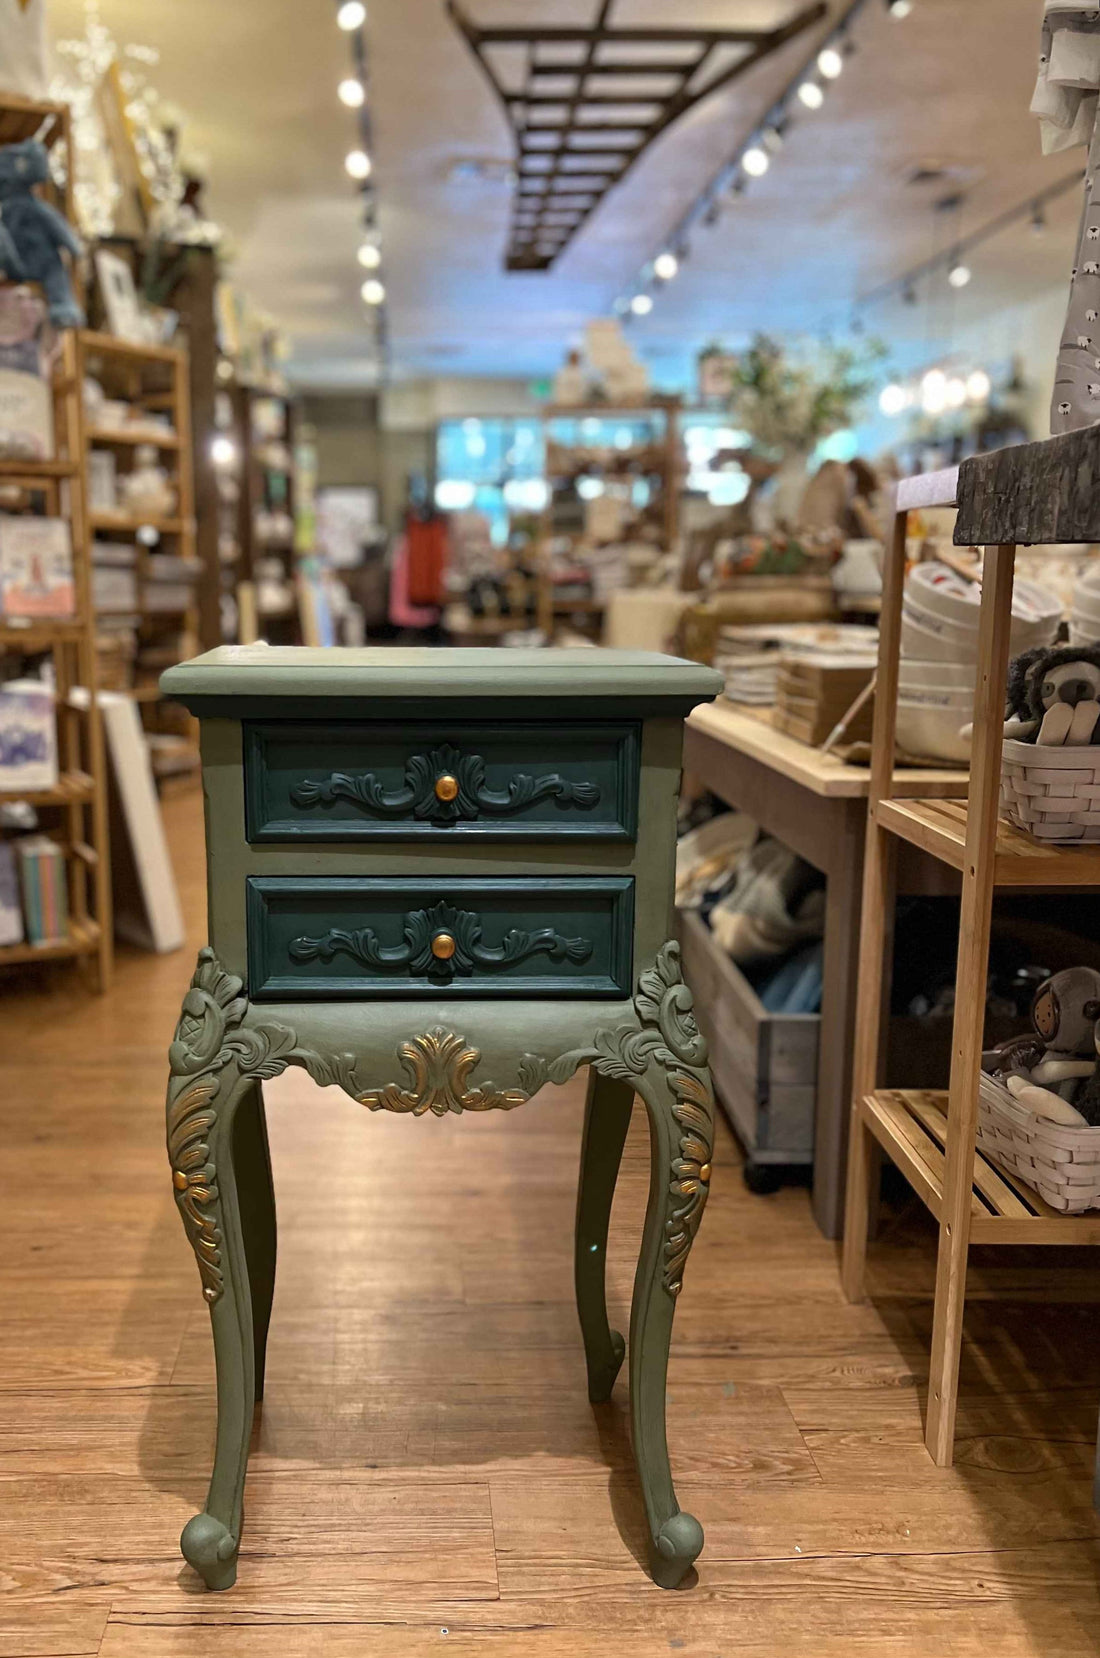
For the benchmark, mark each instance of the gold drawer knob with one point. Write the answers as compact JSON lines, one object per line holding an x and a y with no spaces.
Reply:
{"x":446,"y":787}
{"x":443,"y":946}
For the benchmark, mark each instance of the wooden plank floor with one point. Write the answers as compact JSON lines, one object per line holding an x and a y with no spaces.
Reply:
{"x":428,"y":1476}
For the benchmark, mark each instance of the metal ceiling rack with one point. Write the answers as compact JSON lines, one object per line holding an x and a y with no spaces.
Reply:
{"x":585,"y":103}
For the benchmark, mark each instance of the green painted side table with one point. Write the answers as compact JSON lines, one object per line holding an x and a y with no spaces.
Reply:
{"x":440,"y":879}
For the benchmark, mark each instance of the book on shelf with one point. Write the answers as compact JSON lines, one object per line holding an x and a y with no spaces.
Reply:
{"x":42,"y":880}
{"x":26,"y":416}
{"x":36,"y":567}
{"x":11,"y":910}
{"x":28,"y":736}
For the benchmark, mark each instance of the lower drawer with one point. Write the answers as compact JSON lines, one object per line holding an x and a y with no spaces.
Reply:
{"x":764,"y":1065}
{"x":348,"y":937}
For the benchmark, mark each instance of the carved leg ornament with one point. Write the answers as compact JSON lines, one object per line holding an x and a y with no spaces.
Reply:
{"x":217,"y":1062}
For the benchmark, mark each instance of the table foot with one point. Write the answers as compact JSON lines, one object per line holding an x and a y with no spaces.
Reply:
{"x":211,"y":1549}
{"x":675,"y":1550}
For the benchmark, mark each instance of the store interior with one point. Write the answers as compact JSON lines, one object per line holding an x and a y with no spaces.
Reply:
{"x":550,"y":584}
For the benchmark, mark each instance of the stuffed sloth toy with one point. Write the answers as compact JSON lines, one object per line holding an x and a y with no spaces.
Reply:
{"x":34,"y":232}
{"x":1054,"y":696}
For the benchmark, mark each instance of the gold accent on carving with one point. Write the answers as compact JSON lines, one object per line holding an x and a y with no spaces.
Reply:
{"x":190,"y":1120}
{"x":443,"y":946}
{"x":446,"y":787}
{"x":439,"y":1065}
{"x":704,"y":1172}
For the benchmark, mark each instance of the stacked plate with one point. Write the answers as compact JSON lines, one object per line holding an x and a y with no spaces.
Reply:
{"x":939,"y":655}
{"x":1084,"y":621}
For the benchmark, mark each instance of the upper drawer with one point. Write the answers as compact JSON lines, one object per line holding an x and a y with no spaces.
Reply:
{"x":398,"y":781}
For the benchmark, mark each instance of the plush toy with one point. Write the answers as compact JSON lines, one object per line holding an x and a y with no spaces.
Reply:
{"x":1055,"y":1070}
{"x":1054,"y":696}
{"x":35,"y":232}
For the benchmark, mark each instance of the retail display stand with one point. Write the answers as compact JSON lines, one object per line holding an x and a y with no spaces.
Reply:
{"x":587,"y":614}
{"x":258,"y":477}
{"x":78,"y":800}
{"x":428,"y":869}
{"x":1036,"y":494}
{"x":152,"y":379}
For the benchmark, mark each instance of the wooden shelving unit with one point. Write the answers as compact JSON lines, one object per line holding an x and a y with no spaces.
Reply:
{"x":589,"y":613}
{"x":154,"y":379}
{"x":1036,"y":494}
{"x":264,"y":487}
{"x":75,"y":807}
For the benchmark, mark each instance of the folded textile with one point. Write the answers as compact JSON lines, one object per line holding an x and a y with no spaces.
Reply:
{"x":707,"y":856}
{"x":777,"y":903}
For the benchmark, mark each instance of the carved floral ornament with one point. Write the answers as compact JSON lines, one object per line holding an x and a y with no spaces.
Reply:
{"x":444,"y":786}
{"x":212,"y":1044}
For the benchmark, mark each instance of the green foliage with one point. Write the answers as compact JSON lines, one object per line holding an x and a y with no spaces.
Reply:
{"x":789,"y":403}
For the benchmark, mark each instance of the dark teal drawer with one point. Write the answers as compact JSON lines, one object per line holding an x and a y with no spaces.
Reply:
{"x":399,"y":781}
{"x":352,"y":936}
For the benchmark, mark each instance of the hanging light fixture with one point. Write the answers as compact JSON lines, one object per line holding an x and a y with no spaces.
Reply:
{"x":370,"y":256}
{"x":756,"y":161}
{"x":978,"y":386}
{"x":830,"y":62}
{"x":893,"y":399}
{"x":899,"y":8}
{"x":351,"y":15}
{"x":351,"y":93}
{"x":358,"y":164}
{"x":641,"y":305}
{"x":959,"y":275}
{"x":372,"y":292}
{"x":810,"y":94}
{"x":666,"y":265}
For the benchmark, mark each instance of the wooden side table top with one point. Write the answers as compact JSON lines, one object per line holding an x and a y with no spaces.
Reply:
{"x":751,"y":732}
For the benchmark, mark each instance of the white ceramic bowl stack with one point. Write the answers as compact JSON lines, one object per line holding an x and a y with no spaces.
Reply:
{"x":1084,"y":621}
{"x":939,"y":655}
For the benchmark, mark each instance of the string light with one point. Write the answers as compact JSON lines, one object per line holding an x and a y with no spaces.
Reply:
{"x":351,"y":15}
{"x":370,"y":256}
{"x":959,"y":275}
{"x":358,"y":164}
{"x":372,"y":292}
{"x":811,"y":94}
{"x":666,"y":265}
{"x":351,"y":93}
{"x":756,"y":161}
{"x":641,"y":305}
{"x":830,"y":62}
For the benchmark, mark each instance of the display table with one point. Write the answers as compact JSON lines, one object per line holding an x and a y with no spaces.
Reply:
{"x":817,"y":806}
{"x":429,"y":869}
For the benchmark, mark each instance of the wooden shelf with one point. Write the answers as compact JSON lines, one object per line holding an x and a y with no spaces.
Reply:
{"x":911,"y":1126}
{"x":30,"y":471}
{"x":938,"y":827}
{"x":158,"y":440}
{"x":71,"y":788}
{"x":110,"y":345}
{"x":129,"y":523}
{"x":40,"y":635}
{"x":83,"y":940}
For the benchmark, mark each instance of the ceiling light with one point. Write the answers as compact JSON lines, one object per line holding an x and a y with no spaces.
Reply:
{"x":830,"y":62}
{"x":665,"y":266}
{"x":959,"y":275}
{"x":351,"y":92}
{"x":978,"y":386}
{"x":358,"y":164}
{"x":811,"y":94}
{"x":372,"y":291}
{"x":933,"y":392}
{"x":955,"y":392}
{"x":892,"y":399}
{"x":899,"y":8}
{"x":756,"y":161}
{"x":351,"y":15}
{"x":370,"y":256}
{"x":641,"y":305}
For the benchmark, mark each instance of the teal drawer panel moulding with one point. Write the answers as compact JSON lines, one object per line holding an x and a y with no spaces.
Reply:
{"x":354,"y":937}
{"x":437,"y":781}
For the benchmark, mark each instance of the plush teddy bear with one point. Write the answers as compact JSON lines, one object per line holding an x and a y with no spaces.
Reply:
{"x":1054,"y":696}
{"x":35,"y":232}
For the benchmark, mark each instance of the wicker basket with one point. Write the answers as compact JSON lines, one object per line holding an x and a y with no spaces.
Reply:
{"x":1053,"y":793}
{"x":1061,"y":1164}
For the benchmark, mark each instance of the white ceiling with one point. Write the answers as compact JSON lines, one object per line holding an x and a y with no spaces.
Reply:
{"x":832,"y":219}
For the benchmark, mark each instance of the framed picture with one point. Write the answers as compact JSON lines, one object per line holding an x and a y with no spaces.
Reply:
{"x":120,"y":300}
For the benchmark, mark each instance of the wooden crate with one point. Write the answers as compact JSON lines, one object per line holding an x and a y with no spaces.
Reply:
{"x":764,"y":1065}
